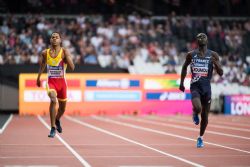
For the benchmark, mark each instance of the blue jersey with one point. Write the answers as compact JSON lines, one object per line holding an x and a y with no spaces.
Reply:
{"x":201,"y":67}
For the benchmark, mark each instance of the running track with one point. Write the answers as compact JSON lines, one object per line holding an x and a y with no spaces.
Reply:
{"x":125,"y":141}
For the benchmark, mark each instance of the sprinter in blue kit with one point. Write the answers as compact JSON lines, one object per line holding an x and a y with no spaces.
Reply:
{"x":202,"y":61}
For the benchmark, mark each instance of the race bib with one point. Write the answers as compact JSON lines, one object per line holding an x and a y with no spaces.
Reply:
{"x":200,"y":71}
{"x":55,"y":72}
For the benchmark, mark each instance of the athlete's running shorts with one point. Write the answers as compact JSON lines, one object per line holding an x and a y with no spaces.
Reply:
{"x":59,"y":86}
{"x":201,"y":91}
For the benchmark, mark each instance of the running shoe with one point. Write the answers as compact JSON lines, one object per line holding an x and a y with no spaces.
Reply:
{"x":58,"y":126}
{"x":196,"y":119}
{"x":52,"y":132}
{"x":200,"y":142}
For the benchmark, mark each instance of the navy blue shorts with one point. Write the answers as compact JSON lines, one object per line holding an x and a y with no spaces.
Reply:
{"x":201,"y":91}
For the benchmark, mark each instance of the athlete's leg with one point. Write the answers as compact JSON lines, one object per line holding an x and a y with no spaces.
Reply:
{"x":197,"y":108}
{"x":61,"y":110}
{"x":52,"y":110}
{"x":206,"y":101}
{"x":196,"y":102}
{"x":204,"y":117}
{"x":52,"y":107}
{"x":204,"y":122}
{"x":62,"y":99}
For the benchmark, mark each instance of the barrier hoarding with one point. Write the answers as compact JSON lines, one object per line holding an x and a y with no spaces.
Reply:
{"x":109,"y":94}
{"x":237,"y":104}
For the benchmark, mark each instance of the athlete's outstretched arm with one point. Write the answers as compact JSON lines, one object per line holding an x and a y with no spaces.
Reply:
{"x":69,"y":59}
{"x":184,"y":71}
{"x":42,"y":65}
{"x":216,"y":62}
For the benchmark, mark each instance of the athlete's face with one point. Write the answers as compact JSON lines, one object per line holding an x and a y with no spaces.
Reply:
{"x":55,"y":39}
{"x":201,"y":39}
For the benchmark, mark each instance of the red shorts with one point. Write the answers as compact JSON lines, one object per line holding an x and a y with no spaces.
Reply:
{"x":58,"y":85}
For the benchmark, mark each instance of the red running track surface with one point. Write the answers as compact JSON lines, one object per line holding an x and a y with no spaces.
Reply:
{"x":125,"y":141}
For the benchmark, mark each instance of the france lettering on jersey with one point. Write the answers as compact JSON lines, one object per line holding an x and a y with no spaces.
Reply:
{"x":201,"y":67}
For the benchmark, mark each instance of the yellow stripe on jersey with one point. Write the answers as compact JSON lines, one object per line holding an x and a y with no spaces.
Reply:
{"x":50,"y":90}
{"x":54,"y":61}
{"x":62,"y":99}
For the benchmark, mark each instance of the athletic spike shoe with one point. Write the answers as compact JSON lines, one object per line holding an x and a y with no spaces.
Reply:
{"x":58,"y":126}
{"x":52,"y":132}
{"x":196,"y":119}
{"x":200,"y":142}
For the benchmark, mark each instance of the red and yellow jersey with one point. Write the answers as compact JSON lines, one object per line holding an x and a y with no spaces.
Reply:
{"x":55,"y":66}
{"x":56,"y":69}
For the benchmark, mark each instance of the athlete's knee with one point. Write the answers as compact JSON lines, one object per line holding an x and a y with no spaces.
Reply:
{"x":62,"y":105}
{"x":53,"y":100}
{"x":204,"y":118}
{"x":204,"y":122}
{"x":197,"y":109}
{"x":52,"y":96}
{"x":61,"y":110}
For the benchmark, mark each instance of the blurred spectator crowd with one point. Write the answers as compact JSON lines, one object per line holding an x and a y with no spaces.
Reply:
{"x":117,"y":40}
{"x":159,"y":7}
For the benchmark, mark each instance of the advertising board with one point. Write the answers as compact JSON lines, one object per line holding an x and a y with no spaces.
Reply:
{"x":237,"y":104}
{"x":109,"y":94}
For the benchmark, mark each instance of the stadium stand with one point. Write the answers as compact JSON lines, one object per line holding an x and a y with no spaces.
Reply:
{"x":139,"y":37}
{"x":143,"y":45}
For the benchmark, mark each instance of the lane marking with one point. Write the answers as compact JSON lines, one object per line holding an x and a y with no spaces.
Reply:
{"x":31,"y":144}
{"x":186,"y":128}
{"x":6,"y":124}
{"x":83,"y":162}
{"x":131,"y":141}
{"x":30,"y":166}
{"x":216,"y":120}
{"x":230,"y":123}
{"x":124,"y":156}
{"x":108,"y":145}
{"x":164,"y":133}
{"x":144,"y":166}
{"x":232,"y":118}
{"x":37,"y":157}
{"x":153,"y":144}
{"x":210,"y":125}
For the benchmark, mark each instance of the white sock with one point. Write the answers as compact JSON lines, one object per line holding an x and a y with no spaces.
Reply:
{"x":201,"y":137}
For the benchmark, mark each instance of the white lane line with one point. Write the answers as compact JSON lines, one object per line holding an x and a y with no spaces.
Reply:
{"x":210,"y":125}
{"x":31,"y":145}
{"x":35,"y":157}
{"x":232,"y":118}
{"x":83,"y":162}
{"x":164,"y":133}
{"x":143,"y":166}
{"x":132,"y":141}
{"x":123,"y":156}
{"x":6,"y":124}
{"x":230,"y":123}
{"x":103,"y":145}
{"x":213,"y":120}
{"x":185,"y":128}
{"x":91,"y":156}
{"x":30,"y":166}
{"x":110,"y":145}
